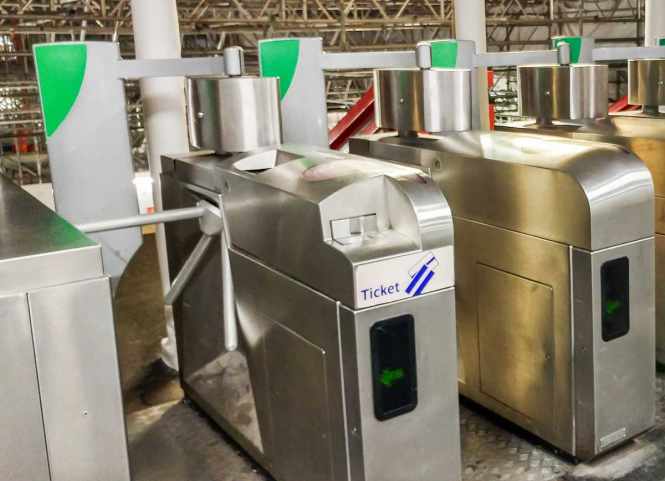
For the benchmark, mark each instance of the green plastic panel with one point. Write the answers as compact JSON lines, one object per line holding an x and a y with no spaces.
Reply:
{"x":575,"y":46}
{"x":61,"y":69}
{"x":444,"y":53}
{"x":279,"y":58}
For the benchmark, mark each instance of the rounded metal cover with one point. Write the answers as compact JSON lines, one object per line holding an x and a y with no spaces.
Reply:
{"x":433,"y":100}
{"x":233,"y":114}
{"x":646,"y":82}
{"x":563,"y":92}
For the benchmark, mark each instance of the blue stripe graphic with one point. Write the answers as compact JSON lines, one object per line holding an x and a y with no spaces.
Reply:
{"x":415,"y":279}
{"x":423,"y":284}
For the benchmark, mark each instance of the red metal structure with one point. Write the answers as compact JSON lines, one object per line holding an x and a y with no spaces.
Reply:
{"x":359,"y":119}
{"x":622,"y":105}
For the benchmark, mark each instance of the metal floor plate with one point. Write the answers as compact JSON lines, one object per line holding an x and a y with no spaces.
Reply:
{"x":174,"y":442}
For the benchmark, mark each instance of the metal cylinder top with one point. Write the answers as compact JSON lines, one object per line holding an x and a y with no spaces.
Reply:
{"x":646,"y":82}
{"x":431,"y":100}
{"x":233,"y":114}
{"x":563,"y":92}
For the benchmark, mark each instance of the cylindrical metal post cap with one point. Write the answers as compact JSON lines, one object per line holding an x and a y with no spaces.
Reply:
{"x":233,"y":114}
{"x":646,"y":82}
{"x":435,"y":100}
{"x":563,"y":92}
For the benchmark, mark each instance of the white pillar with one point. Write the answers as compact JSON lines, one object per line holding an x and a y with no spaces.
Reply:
{"x":157,"y":35}
{"x":654,"y":22}
{"x":470,"y":22}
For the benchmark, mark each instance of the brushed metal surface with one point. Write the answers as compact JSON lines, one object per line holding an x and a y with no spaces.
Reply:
{"x":507,"y":193}
{"x":543,"y":182}
{"x":423,"y":444}
{"x":614,"y":380}
{"x":535,"y":261}
{"x":432,"y":100}
{"x":646,"y":82}
{"x":300,"y":408}
{"x":22,"y":444}
{"x":562,"y":92}
{"x":233,"y":114}
{"x":516,"y":341}
{"x":79,"y":381}
{"x":294,"y":369}
{"x":269,"y":197}
{"x":644,"y":136}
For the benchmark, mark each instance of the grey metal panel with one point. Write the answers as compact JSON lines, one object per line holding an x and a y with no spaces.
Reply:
{"x":402,"y":448}
{"x":615,"y":399}
{"x":77,"y":365}
{"x":261,"y":293}
{"x":22,"y":444}
{"x":300,"y":409}
{"x":516,"y":336}
{"x":90,"y":158}
{"x":538,"y":263}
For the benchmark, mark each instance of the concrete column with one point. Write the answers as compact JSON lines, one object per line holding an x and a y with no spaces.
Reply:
{"x":470,"y":23}
{"x":157,"y":35}
{"x":654,"y":22}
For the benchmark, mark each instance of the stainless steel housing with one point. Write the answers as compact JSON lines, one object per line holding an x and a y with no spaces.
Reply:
{"x":642,"y":134}
{"x":536,"y":219}
{"x":646,"y":82}
{"x":414,"y":100}
{"x":233,"y":114}
{"x":61,"y":407}
{"x":322,"y":249}
{"x":562,"y":92}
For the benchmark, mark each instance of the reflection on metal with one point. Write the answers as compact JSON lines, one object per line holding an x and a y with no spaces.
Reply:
{"x":562,"y":92}
{"x":414,"y":100}
{"x":646,"y":83}
{"x":233,"y":114}
{"x":535,"y":218}
{"x":311,"y":234}
{"x":643,"y":135}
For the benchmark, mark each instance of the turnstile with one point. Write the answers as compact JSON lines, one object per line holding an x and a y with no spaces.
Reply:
{"x":585,"y":118}
{"x":554,"y":267}
{"x":343,"y":298}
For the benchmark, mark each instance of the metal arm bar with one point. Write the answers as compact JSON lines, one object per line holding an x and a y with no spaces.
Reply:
{"x":169,"y":67}
{"x":368,"y":60}
{"x":188,"y":269}
{"x":624,"y":53}
{"x":509,"y":59}
{"x":145,"y":219}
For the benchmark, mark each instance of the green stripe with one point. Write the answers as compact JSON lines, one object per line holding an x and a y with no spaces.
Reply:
{"x":60,"y":69}
{"x":279,"y":58}
{"x":661,"y":42}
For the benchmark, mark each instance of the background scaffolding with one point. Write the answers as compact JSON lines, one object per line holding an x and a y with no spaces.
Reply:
{"x":208,"y":26}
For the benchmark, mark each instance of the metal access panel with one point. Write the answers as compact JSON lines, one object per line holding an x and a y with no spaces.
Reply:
{"x":22,"y":442}
{"x":82,"y":407}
